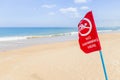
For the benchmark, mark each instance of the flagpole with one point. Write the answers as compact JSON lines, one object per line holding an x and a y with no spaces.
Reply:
{"x":103,"y":64}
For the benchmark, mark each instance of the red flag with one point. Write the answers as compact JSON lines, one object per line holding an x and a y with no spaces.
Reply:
{"x":88,"y":37}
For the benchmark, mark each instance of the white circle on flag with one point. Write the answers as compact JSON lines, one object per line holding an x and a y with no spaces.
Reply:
{"x":85,"y":25}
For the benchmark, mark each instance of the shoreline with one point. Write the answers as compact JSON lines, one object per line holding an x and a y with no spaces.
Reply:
{"x":16,"y":44}
{"x":38,"y":40}
{"x":16,"y":38}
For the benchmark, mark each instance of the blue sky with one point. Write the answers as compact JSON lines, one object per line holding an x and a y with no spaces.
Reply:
{"x":57,"y":13}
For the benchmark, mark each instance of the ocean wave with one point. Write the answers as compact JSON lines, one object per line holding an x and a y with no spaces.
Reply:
{"x":15,"y":38}
{"x":63,"y":34}
{"x":100,"y":31}
{"x":12,"y":38}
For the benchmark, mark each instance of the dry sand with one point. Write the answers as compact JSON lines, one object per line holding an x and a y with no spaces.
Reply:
{"x":62,"y":61}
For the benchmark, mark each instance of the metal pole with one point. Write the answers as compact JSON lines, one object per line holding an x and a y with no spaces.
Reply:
{"x":103,"y":64}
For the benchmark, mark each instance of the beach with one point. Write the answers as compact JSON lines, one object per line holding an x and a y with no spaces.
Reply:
{"x":59,"y":59}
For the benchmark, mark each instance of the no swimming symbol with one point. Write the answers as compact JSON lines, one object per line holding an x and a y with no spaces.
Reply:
{"x":85,"y":27}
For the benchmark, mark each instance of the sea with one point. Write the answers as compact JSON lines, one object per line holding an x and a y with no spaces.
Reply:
{"x":19,"y":33}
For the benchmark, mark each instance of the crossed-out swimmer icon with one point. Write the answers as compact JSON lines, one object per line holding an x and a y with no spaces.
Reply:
{"x":83,"y":26}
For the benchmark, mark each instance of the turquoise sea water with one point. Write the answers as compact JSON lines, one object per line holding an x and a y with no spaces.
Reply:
{"x":16,"y":33}
{"x":34,"y":31}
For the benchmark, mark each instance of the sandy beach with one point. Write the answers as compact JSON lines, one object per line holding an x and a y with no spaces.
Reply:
{"x":61,"y":61}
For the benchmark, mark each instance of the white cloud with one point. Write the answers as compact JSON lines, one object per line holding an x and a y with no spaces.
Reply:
{"x":66,"y":10}
{"x":48,"y":6}
{"x":84,"y":8}
{"x":73,"y":12}
{"x":80,"y":1}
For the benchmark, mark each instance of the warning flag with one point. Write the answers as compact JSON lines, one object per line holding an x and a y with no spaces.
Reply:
{"x":88,"y":37}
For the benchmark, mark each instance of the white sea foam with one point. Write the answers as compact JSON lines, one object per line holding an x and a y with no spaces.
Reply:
{"x":74,"y":33}
{"x":61,"y":34}
{"x":12,"y":38}
{"x":100,"y":31}
{"x":15,"y":38}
